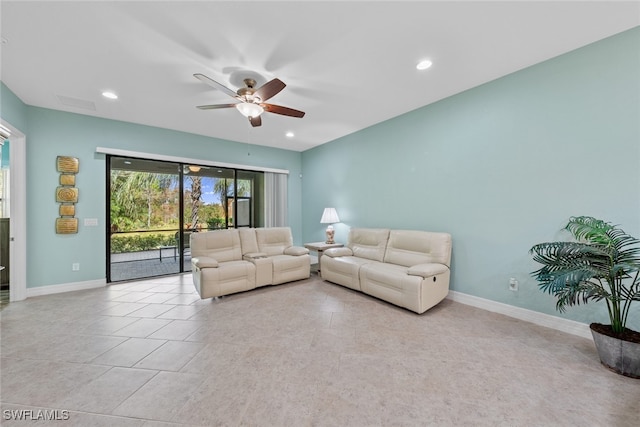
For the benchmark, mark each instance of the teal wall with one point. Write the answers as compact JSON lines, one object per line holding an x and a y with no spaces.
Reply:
{"x":53,"y":133}
{"x":501,"y":167}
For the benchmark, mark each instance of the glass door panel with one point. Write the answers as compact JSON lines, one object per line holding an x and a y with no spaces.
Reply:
{"x":205,"y":201}
{"x":144,"y":219}
{"x":249,"y":190}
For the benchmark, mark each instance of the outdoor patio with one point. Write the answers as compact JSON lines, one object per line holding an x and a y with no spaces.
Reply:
{"x":143,"y":264}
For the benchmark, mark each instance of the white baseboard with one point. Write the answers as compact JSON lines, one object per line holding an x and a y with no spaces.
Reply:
{"x":553,"y":322}
{"x":65,"y":287}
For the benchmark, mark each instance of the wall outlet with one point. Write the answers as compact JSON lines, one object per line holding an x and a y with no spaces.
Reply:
{"x":513,"y":284}
{"x":75,"y":266}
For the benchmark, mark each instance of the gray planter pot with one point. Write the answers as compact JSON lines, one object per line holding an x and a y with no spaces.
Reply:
{"x":618,"y":355}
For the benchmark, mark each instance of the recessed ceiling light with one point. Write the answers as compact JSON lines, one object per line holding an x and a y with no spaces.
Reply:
{"x":127,"y":162}
{"x":290,"y":134}
{"x":423,"y":65}
{"x":110,"y":95}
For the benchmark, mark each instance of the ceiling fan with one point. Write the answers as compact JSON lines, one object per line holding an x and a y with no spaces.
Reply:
{"x":252,"y":101}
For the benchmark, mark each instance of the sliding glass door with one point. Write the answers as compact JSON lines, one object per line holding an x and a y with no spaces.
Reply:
{"x":154,"y":207}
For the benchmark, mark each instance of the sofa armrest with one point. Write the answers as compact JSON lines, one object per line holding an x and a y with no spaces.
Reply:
{"x":427,"y":270}
{"x":296,"y":251}
{"x":254,"y":255}
{"x":336,"y":252}
{"x":204,"y":262}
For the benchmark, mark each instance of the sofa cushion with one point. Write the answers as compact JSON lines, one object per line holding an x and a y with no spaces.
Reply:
{"x":222,"y":245}
{"x":230,"y":277}
{"x":273,"y":241}
{"x":287,"y":268}
{"x":343,"y":270}
{"x":368,"y":243}
{"x":390,"y":282}
{"x":410,"y":247}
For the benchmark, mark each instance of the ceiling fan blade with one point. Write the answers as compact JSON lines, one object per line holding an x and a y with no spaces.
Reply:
{"x":255,"y":121}
{"x":270,"y":89}
{"x":215,"y":84}
{"x":285,"y":111}
{"x":215,"y":106}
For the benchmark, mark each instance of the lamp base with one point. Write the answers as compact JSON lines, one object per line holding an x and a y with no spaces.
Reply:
{"x":330,"y":233}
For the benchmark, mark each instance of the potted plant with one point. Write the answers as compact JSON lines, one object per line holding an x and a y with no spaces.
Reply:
{"x":602,"y":263}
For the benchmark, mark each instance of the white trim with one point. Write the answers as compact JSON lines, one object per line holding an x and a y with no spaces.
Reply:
{"x":553,"y":322}
{"x":153,"y":156}
{"x":65,"y":287}
{"x":18,"y":214}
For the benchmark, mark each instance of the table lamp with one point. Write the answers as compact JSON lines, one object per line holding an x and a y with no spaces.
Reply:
{"x":329,"y":216}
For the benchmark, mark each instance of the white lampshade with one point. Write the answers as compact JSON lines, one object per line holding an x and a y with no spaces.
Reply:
{"x":249,"y":109}
{"x":329,"y":216}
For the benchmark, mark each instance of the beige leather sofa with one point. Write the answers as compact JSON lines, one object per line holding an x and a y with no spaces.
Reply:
{"x":404,"y":267}
{"x":236,"y":260}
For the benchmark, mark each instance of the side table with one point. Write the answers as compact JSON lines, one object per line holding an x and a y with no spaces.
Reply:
{"x":320,"y":247}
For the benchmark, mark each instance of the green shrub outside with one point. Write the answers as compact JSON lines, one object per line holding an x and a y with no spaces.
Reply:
{"x":215,"y":223}
{"x":140,"y":242}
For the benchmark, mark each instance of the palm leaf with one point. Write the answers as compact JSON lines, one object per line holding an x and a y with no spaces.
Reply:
{"x":590,"y":229}
{"x":571,"y":255}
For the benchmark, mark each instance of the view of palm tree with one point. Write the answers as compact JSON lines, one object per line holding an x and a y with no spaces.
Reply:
{"x":196,"y":195}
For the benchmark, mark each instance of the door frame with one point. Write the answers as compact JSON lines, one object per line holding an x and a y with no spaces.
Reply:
{"x":17,"y":213}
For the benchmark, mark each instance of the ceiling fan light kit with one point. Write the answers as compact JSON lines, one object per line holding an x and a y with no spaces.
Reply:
{"x":249,"y":109}
{"x":251,"y":103}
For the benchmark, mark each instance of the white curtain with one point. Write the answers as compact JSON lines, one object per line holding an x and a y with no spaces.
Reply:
{"x":275,"y":194}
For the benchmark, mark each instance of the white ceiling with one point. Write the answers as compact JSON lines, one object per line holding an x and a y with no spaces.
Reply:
{"x":348,"y":65}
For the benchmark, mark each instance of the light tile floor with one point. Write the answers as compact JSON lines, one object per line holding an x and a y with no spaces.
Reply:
{"x":309,"y":353}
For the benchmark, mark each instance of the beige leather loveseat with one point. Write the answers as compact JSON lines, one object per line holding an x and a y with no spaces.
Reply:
{"x":235,"y":260}
{"x":404,"y":267}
